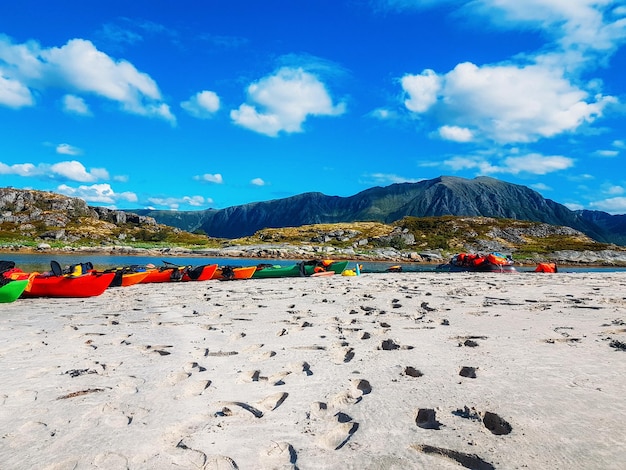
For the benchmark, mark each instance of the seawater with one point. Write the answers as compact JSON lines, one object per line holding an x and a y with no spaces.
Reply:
{"x":40,"y":262}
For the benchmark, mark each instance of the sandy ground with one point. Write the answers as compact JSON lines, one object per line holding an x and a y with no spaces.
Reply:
{"x":387,"y":371}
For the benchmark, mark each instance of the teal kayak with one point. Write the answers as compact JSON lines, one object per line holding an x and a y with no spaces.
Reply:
{"x":304,"y":268}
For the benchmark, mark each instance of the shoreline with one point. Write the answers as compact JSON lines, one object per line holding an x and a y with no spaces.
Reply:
{"x":415,"y":370}
{"x":572,"y":259}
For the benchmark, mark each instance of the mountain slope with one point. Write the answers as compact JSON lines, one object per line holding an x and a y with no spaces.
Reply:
{"x":446,"y":195}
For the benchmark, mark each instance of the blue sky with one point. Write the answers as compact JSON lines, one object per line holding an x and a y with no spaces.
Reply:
{"x":190,"y":105}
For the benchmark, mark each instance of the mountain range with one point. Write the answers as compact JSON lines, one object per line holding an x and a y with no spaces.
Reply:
{"x":445,"y":195}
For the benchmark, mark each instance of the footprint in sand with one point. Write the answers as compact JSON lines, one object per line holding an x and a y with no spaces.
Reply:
{"x":338,"y":425}
{"x":264,"y":356}
{"x":110,"y":461}
{"x":241,"y":409}
{"x":271,"y":402}
{"x":279,"y":455}
{"x":219,"y":462}
{"x":184,"y":385}
{"x":186,"y":457}
{"x":338,"y":435}
{"x":342,"y":354}
{"x":472,"y":461}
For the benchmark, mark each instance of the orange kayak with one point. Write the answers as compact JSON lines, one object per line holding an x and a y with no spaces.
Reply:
{"x":227,"y":272}
{"x":199,"y":273}
{"x":130,"y":279}
{"x":86,"y":285}
{"x":164,"y":275}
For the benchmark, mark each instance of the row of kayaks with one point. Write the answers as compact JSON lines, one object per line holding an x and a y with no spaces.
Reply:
{"x":82,"y":280}
{"x":476,"y":262}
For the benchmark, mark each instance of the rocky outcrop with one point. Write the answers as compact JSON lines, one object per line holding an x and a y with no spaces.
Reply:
{"x":50,"y":216}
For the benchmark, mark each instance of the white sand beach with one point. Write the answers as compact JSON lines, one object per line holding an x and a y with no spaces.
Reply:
{"x":379,"y":371}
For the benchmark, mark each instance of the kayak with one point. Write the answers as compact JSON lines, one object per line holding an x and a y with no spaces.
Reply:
{"x":174,"y":273}
{"x":10,"y":291}
{"x":164,"y":275}
{"x":304,"y":268}
{"x":470,"y":262}
{"x":228,"y":272}
{"x":199,"y":273}
{"x":125,"y":277}
{"x":90,"y":284}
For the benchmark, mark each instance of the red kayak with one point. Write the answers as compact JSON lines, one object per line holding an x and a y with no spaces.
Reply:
{"x":199,"y":273}
{"x":172,"y":273}
{"x":86,"y":285}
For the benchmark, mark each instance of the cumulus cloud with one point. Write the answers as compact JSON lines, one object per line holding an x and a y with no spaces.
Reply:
{"x":456,"y":133}
{"x":257,"y":182}
{"x":533,"y":163}
{"x":216,"y":178}
{"x":531,"y":96}
{"x":508,"y":103}
{"x":98,"y":193}
{"x":19,"y":169}
{"x":67,"y":149}
{"x":283,"y":101}
{"x":422,"y":90}
{"x":66,"y":170}
{"x":77,"y":67}
{"x":14,"y":94}
{"x":76,"y":171}
{"x":174,"y":203}
{"x":203,"y":104}
{"x":614,"y":205}
{"x":75,"y":105}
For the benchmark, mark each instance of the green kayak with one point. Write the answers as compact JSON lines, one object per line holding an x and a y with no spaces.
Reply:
{"x":304,"y":268}
{"x":10,"y":291}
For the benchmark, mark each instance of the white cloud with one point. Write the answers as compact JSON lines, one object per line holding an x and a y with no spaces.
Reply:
{"x":541,"y":187}
{"x":174,"y":203}
{"x":455,"y":133}
{"x":67,"y":149}
{"x":282,"y":102}
{"x":75,"y":105}
{"x":19,"y":169}
{"x":98,"y":193}
{"x":66,"y":170}
{"x":258,"y":182}
{"x":13,"y":93}
{"x":388,"y":178}
{"x":384,"y":114}
{"x":203,"y":104}
{"x":531,"y":96}
{"x":508,"y":104}
{"x":614,"y":205}
{"x":614,"y":190}
{"x":606,"y":153}
{"x":422,"y":90}
{"x":77,"y":67}
{"x":583,"y":25}
{"x":76,"y":171}
{"x":534,"y":163}
{"x":573,"y":206}
{"x":216,"y":178}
